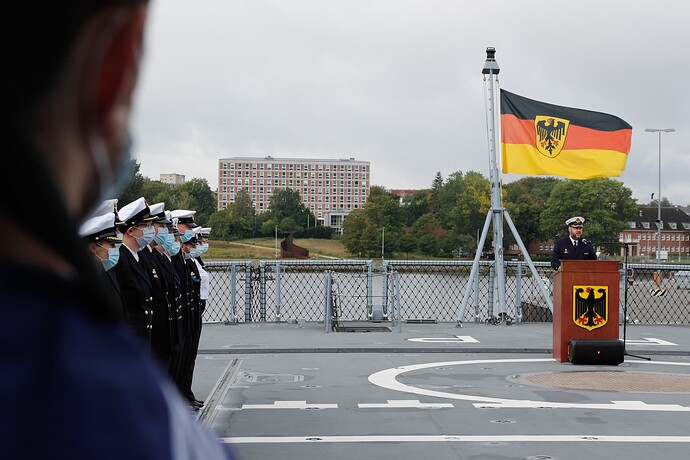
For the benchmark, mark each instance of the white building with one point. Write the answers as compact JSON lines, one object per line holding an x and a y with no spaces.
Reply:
{"x":331,"y":189}
{"x":172,"y":180}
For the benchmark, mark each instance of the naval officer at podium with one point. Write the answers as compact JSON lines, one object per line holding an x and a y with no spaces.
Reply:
{"x":573,"y":246}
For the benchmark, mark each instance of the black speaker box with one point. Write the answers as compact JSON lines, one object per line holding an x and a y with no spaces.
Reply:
{"x":596,"y":351}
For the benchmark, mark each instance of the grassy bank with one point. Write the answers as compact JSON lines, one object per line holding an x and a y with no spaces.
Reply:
{"x":265,"y":248}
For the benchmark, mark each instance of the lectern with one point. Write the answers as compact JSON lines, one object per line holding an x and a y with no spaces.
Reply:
{"x":585,"y":303}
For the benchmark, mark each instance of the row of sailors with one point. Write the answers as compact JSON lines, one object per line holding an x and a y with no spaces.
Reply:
{"x":150,"y":264}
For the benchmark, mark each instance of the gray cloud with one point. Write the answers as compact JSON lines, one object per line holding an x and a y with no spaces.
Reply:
{"x":399,"y":84}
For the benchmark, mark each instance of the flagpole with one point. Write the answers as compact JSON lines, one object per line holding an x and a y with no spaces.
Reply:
{"x":491,"y":69}
{"x":496,"y":213}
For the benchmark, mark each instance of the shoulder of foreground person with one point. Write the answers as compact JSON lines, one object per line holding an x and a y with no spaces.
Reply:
{"x":75,"y":386}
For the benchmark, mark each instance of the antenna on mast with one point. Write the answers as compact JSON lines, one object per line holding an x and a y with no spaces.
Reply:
{"x":497,"y":212}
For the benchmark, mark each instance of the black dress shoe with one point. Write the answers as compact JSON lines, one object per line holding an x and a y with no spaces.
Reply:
{"x":196,"y":403}
{"x":199,"y":401}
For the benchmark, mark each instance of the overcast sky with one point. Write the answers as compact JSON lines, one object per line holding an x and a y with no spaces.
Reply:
{"x":398,"y":83}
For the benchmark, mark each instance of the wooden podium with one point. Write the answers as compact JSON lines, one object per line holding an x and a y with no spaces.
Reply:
{"x":585,"y":303}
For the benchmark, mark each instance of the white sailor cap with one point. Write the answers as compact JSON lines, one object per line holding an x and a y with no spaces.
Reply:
{"x":135,"y":212}
{"x":100,"y":228}
{"x":576,"y":222}
{"x":183,"y":216}
{"x":105,"y":207}
{"x":158,"y":211}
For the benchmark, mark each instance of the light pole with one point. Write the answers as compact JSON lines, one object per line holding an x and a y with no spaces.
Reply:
{"x":658,"y":219}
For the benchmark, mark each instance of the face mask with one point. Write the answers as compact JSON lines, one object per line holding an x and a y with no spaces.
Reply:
{"x":148,"y":234}
{"x":168,"y":243}
{"x":161,"y":235}
{"x":202,"y":248}
{"x":111,"y":261}
{"x":188,"y":235}
{"x":187,"y":256}
{"x":175,"y":248}
{"x":194,"y":252}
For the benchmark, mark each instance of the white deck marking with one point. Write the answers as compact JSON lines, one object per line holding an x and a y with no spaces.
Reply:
{"x":456,"y":339}
{"x":649,"y":341}
{"x":289,"y":405}
{"x":388,"y":379}
{"x":452,"y":438}
{"x":405,"y":403}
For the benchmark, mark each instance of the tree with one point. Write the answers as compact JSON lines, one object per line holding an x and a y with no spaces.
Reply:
{"x":465,"y":203}
{"x":353,"y":229}
{"x":134,"y":184}
{"x":415,"y":206}
{"x":156,"y":192}
{"x":236,"y":221}
{"x":364,"y":228}
{"x":525,"y":199}
{"x":407,"y":244}
{"x":196,"y":195}
{"x":436,"y":187}
{"x":287,"y":203}
{"x":606,"y":205}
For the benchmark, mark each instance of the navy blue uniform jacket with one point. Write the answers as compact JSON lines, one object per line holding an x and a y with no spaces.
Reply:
{"x":564,"y":249}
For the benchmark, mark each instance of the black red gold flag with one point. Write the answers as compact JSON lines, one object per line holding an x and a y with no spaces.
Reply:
{"x":545,"y":139}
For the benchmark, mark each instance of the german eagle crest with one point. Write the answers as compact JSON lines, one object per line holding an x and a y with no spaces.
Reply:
{"x":590,"y":306}
{"x":551,"y":133}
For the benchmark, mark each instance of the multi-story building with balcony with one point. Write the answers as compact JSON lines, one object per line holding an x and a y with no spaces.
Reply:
{"x":331,"y":189}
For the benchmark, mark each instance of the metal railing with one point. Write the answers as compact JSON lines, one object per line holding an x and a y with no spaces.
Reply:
{"x":292,"y":290}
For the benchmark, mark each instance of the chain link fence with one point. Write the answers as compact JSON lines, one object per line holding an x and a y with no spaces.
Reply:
{"x":293,"y":290}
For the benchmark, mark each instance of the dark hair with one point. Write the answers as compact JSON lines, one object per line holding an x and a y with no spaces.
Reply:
{"x":39,"y":37}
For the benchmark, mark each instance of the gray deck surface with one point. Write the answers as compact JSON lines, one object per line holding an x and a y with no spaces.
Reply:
{"x":436,"y":391}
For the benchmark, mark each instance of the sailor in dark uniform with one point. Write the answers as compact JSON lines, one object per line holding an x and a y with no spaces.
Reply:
{"x":99,"y":234}
{"x":137,"y":232}
{"x":162,"y":289}
{"x":184,"y":221}
{"x":573,"y":246}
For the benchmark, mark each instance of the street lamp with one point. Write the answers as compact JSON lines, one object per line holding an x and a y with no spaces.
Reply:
{"x":658,"y":219}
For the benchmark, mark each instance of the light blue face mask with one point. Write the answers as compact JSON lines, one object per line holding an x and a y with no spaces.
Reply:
{"x":161,"y":235}
{"x":168,"y":243}
{"x":175,"y":248}
{"x":188,"y":235}
{"x":187,"y":256}
{"x":148,"y":234}
{"x":113,"y":257}
{"x":194,"y":252}
{"x":202,"y":248}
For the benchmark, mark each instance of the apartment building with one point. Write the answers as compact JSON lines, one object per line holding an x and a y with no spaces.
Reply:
{"x":330,"y":188}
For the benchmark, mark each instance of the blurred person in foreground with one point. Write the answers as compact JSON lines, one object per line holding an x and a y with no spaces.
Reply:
{"x":67,"y":360}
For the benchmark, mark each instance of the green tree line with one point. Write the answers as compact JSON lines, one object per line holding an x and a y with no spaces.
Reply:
{"x":443,"y":221}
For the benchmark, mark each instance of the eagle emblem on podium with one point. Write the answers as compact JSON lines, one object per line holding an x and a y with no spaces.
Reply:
{"x":550,"y":134}
{"x":590,"y":306}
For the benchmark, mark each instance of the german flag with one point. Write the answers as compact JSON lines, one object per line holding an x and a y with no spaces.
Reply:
{"x":546,"y":139}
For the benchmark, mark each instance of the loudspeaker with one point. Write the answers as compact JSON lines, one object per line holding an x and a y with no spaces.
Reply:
{"x":596,"y":351}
